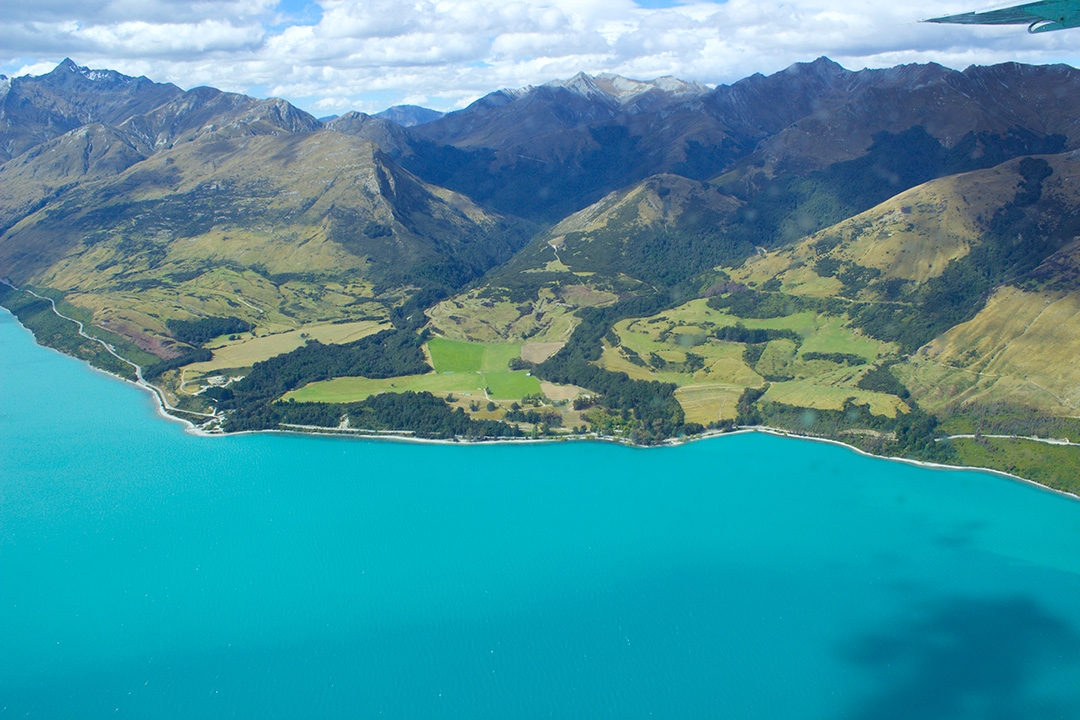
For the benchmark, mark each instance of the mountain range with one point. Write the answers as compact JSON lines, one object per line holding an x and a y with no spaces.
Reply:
{"x":816,"y":243}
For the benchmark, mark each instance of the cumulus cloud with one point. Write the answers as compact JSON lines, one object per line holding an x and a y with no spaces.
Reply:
{"x":336,"y":55}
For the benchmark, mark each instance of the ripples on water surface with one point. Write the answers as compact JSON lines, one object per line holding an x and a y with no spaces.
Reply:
{"x":148,"y":573}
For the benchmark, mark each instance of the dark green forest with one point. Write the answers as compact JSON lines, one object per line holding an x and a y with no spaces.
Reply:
{"x":420,"y":414}
{"x":202,"y":330}
{"x":249,"y":404}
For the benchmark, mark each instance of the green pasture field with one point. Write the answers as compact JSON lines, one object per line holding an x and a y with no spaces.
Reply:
{"x":777,"y":357}
{"x":459,"y":356}
{"x":831,"y":335}
{"x":462,"y":368}
{"x":455,"y":356}
{"x":354,"y":389}
{"x":708,"y":403}
{"x":511,"y":385}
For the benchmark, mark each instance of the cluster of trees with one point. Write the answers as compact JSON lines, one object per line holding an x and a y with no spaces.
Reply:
{"x":752,"y":336}
{"x":836,"y":357}
{"x":633,"y":356}
{"x":390,"y":353}
{"x":551,"y":418}
{"x":422,"y":414}
{"x":584,"y":402}
{"x":520,"y":363}
{"x":753,"y":353}
{"x":827,"y":266}
{"x":197,"y":332}
{"x":761,"y":305}
{"x":856,"y":277}
{"x":912,"y":434}
{"x":748,"y":412}
{"x":881,"y":379}
{"x":853,"y":276}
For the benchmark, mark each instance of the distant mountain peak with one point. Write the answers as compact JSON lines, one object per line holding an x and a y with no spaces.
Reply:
{"x":581,"y":84}
{"x":623,"y":89}
{"x":68,"y":68}
{"x":409,"y":115}
{"x":822,"y":66}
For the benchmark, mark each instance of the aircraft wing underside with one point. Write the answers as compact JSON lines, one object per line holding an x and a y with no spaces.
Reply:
{"x":1042,"y":16}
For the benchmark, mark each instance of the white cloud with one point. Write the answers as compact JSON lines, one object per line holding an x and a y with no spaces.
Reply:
{"x":143,"y":39}
{"x":366,"y":54}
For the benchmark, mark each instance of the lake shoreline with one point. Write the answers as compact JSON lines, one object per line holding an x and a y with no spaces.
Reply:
{"x":162,"y":411}
{"x":393,"y":436}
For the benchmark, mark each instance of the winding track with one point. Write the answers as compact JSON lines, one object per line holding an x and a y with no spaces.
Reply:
{"x":139,"y":380}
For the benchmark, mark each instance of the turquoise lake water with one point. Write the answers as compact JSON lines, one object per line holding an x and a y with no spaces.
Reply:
{"x":148,"y":573}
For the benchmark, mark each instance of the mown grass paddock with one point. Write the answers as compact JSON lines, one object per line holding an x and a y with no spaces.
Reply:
{"x":465,"y":369}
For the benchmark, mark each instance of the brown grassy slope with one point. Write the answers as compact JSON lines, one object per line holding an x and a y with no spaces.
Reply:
{"x":279,"y":230}
{"x":911,"y":236}
{"x":1020,"y":349}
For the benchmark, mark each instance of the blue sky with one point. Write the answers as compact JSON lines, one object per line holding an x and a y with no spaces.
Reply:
{"x":330,"y":56}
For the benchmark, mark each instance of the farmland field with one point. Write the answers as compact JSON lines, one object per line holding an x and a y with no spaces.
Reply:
{"x":810,"y":394}
{"x":509,"y":385}
{"x":246,"y":351}
{"x":679,"y":346}
{"x":461,"y":356}
{"x":462,"y":368}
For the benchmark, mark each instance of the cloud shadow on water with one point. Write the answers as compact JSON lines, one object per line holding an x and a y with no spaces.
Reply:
{"x":968,"y":658}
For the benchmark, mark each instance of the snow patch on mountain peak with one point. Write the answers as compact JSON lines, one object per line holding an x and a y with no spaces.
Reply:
{"x":623,"y":89}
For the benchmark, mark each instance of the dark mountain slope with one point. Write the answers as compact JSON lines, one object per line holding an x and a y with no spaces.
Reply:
{"x":206,"y":112}
{"x":34,"y":110}
{"x":409,"y":115}
{"x":546,"y":152}
{"x":388,"y":135}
